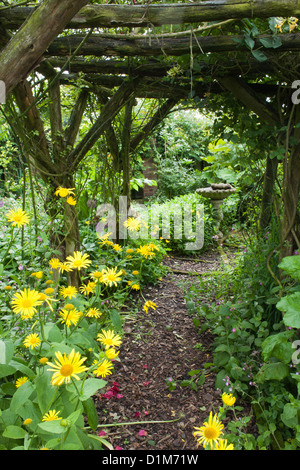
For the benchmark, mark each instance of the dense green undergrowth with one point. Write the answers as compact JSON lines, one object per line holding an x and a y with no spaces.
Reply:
{"x":253,"y":315}
{"x":59,"y":342}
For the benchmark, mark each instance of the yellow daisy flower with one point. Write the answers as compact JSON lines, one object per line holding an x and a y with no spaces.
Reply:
{"x":88,"y":289}
{"x":111,"y":276}
{"x":7,"y":287}
{"x":111,"y":353}
{"x":210,"y":432}
{"x":44,"y":360}
{"x":152,"y":246}
{"x":17,"y":217}
{"x":32,"y":341}
{"x":117,"y":247}
{"x":105,"y":237}
{"x":93,"y":313}
{"x":228,"y":399}
{"x":52,"y":415}
{"x":96,"y":275}
{"x":69,"y":307}
{"x":64,"y":267}
{"x":109,"y":338}
{"x":45,"y":298}
{"x":20,"y":381}
{"x":63,"y":192}
{"x":135,"y":273}
{"x":38,"y":274}
{"x":104,"y":368}
{"x":66,"y":367}
{"x":78,"y":260}
{"x":132,"y":224}
{"x":69,"y":291}
{"x":135,"y":286}
{"x":222,"y":445}
{"x":27,"y":421}
{"x":149,"y":304}
{"x":145,"y":251}
{"x":25,"y":303}
{"x":70,"y":317}
{"x":54,"y":263}
{"x":49,"y":290}
{"x":106,"y":242}
{"x":129,"y":250}
{"x":71,"y":200}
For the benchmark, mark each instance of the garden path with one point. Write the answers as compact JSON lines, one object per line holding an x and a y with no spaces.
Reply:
{"x":158,"y":346}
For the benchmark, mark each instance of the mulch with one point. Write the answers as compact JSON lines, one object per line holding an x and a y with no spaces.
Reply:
{"x":157,"y":347}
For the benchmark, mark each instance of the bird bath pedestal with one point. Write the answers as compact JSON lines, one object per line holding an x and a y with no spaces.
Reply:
{"x":217,"y":193}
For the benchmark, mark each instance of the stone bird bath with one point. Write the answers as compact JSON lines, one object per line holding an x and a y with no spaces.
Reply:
{"x":217,"y":193}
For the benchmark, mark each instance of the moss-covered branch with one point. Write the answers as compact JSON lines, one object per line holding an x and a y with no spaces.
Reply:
{"x":147,"y":46}
{"x":25,"y":49}
{"x":111,"y":15}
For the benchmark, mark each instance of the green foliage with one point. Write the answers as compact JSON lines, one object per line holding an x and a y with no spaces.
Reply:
{"x":169,"y":220}
{"x":254,"y":346}
{"x":27,"y":390}
{"x":176,"y":178}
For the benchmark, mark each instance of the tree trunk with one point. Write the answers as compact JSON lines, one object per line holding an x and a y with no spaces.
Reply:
{"x":268,"y":193}
{"x":27,"y":46}
{"x":290,"y":236}
{"x":125,"y":151}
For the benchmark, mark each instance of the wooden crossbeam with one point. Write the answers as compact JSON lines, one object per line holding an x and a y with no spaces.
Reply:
{"x":111,"y":16}
{"x":125,"y":46}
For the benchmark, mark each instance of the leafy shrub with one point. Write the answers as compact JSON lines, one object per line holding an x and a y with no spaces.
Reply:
{"x":163,"y":219}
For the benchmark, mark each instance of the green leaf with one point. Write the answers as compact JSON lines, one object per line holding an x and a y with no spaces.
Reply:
{"x":21,"y":367}
{"x":201,"y":380}
{"x":249,"y":41}
{"x":278,"y":346}
{"x":90,"y":387}
{"x":6,"y":351}
{"x":91,"y":412}
{"x":53,"y":333}
{"x":291,"y":265}
{"x":194,"y":386}
{"x":290,"y":415}
{"x":221,"y":358}
{"x":116,"y":320}
{"x":185,"y":383}
{"x":273,"y":371}
{"x":271,"y":43}
{"x":73,"y":417}
{"x":14,"y":432}
{"x":260,"y":56}
{"x":102,"y":441}
{"x":45,"y":391}
{"x":291,"y":306}
{"x":6,"y":370}
{"x":21,"y":396}
{"x":53,"y":427}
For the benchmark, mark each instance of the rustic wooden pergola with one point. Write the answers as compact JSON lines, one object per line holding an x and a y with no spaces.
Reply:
{"x":64,"y":40}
